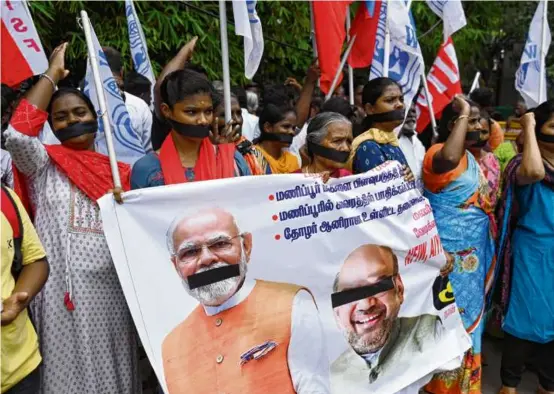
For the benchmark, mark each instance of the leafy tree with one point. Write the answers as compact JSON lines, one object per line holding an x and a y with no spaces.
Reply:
{"x":492,"y":26}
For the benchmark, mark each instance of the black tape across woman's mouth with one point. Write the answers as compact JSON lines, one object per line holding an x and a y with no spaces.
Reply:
{"x":391,"y":116}
{"x":76,"y":130}
{"x":474,"y":135}
{"x":212,"y":276}
{"x":190,"y":130}
{"x":328,"y":153}
{"x":278,"y":137}
{"x":359,"y":293}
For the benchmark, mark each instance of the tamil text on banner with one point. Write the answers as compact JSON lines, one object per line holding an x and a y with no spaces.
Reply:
{"x":22,"y":52}
{"x":127,"y":144}
{"x":284,"y":284}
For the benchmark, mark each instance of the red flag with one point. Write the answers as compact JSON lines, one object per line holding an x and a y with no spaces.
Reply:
{"x":330,"y":32}
{"x":444,"y":83}
{"x":364,"y":27}
{"x":22,"y":53}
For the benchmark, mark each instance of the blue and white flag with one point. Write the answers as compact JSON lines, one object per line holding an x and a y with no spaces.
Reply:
{"x":528,"y":73}
{"x":452,"y":14}
{"x":248,"y":25}
{"x":405,"y":60}
{"x":139,"y":50}
{"x":127,"y":144}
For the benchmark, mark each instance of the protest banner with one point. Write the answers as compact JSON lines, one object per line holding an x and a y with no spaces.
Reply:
{"x":254,"y":250}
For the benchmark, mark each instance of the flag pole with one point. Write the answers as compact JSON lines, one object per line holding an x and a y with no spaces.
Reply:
{"x":225,"y":61}
{"x":341,"y":66}
{"x":101,"y":99}
{"x":542,"y":77}
{"x":475,"y":81}
{"x":350,"y":70}
{"x":312,"y":30}
{"x":386,"y":52}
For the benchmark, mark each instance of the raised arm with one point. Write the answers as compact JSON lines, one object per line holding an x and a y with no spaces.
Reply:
{"x":305,"y":100}
{"x":177,"y":63}
{"x":28,"y":153}
{"x":531,"y":169}
{"x":449,"y":156}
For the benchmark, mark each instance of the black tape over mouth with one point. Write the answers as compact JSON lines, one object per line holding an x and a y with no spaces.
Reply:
{"x":359,"y":293}
{"x":213,"y":276}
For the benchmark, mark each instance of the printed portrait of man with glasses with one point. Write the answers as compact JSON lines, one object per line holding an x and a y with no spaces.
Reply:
{"x":367,"y":295}
{"x":246,"y":335}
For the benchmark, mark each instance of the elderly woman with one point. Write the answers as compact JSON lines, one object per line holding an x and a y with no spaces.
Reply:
{"x":328,"y":144}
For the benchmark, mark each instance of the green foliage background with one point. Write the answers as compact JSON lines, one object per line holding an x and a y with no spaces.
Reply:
{"x":492,"y":26}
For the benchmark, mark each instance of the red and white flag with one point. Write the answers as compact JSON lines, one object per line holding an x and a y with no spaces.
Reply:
{"x":22,"y":52}
{"x":444,"y":83}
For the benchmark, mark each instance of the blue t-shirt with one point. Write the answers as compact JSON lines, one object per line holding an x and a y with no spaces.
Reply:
{"x":147,"y":171}
{"x":531,"y":306}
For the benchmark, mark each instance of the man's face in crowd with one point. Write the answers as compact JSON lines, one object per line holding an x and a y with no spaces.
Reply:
{"x":208,"y":240}
{"x":367,"y":323}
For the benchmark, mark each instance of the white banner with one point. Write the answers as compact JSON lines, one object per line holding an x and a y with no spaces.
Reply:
{"x":533,"y":57}
{"x":367,"y":245}
{"x":127,"y":143}
{"x":249,"y":25}
{"x":139,"y":49}
{"x":452,"y":14}
{"x":22,"y":52}
{"x":405,"y":60}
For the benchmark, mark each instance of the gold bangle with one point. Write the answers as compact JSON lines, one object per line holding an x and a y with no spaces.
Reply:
{"x":48,"y":77}
{"x":462,"y":117}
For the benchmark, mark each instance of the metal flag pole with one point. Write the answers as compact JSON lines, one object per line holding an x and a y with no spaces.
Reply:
{"x":475,"y":81}
{"x":350,"y":70}
{"x":386,"y":52}
{"x":312,"y":29}
{"x":341,"y":66}
{"x":542,"y":77}
{"x":225,"y":61}
{"x":312,"y":36}
{"x":101,"y":99}
{"x":429,"y":103}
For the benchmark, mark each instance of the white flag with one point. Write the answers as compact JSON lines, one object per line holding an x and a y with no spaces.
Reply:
{"x":22,"y":55}
{"x":528,"y":73}
{"x":137,"y":41}
{"x":248,"y":25}
{"x":127,"y":144}
{"x":452,"y":14}
{"x":405,"y":59}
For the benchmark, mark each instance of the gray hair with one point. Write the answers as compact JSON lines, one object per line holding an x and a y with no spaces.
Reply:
{"x":319,"y":125}
{"x":251,"y":102}
{"x":217,"y":85}
{"x":175,"y":223}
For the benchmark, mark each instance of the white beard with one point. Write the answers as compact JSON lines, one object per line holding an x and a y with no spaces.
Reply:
{"x":217,"y":293}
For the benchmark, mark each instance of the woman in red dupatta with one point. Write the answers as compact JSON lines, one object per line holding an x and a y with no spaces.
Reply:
{"x":328,"y":145}
{"x":194,"y":150}
{"x":81,"y":316}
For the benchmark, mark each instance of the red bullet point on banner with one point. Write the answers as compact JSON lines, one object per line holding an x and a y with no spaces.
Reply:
{"x":275,"y":217}
{"x":277,"y":237}
{"x":271,"y":197}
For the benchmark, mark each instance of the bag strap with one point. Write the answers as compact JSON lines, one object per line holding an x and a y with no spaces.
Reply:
{"x":11,"y":212}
